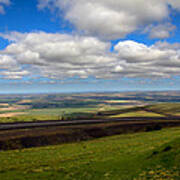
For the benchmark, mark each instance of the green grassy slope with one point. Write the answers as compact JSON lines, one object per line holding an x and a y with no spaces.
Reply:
{"x":172,"y":109}
{"x":150,"y":155}
{"x":137,"y":114}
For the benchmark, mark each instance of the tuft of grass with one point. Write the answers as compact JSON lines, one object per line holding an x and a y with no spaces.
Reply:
{"x":164,"y":162}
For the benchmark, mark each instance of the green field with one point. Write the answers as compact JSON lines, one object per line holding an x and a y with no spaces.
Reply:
{"x":150,"y":155}
{"x":28,"y":118}
{"x":60,"y":111}
{"x":46,"y":114}
{"x":172,"y":109}
{"x":137,"y":114}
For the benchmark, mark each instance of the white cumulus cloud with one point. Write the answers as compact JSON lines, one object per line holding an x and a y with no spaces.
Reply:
{"x":60,"y":56}
{"x":112,"y":19}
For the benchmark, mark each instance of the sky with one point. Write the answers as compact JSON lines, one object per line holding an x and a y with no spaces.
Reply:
{"x":81,"y":46}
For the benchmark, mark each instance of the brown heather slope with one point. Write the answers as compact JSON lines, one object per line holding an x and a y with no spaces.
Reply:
{"x":18,"y":139}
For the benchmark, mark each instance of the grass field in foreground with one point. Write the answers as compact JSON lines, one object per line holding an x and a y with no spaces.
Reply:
{"x":150,"y":155}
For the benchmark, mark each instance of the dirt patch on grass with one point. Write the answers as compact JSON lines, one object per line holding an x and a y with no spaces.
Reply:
{"x":4,"y":104}
{"x":14,"y":108}
{"x":4,"y":115}
{"x":24,"y":101}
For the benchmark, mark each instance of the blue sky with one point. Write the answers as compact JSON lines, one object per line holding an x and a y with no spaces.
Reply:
{"x":81,"y":46}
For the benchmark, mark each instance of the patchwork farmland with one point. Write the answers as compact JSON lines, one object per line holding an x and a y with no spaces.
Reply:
{"x":90,"y":136}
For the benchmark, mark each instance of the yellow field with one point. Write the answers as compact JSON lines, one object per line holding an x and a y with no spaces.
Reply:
{"x":12,"y":114}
